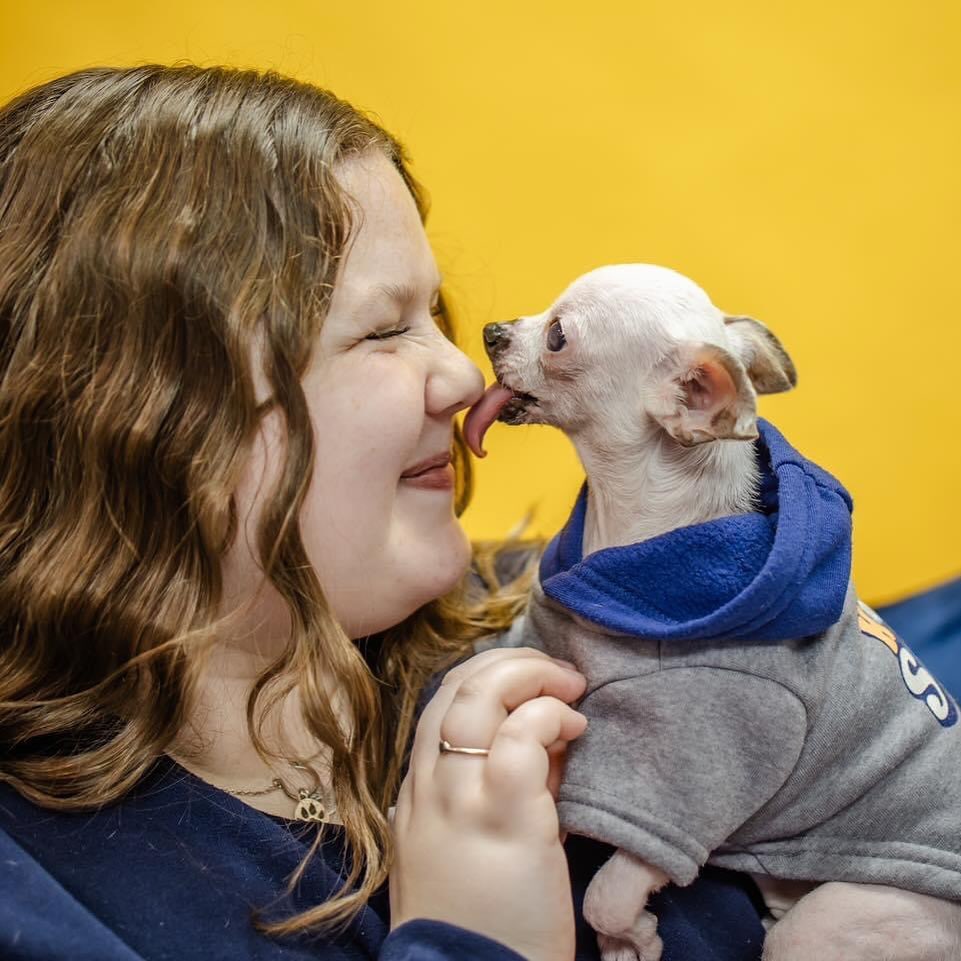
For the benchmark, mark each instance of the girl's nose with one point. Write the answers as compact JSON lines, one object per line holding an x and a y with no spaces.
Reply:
{"x":455,"y":383}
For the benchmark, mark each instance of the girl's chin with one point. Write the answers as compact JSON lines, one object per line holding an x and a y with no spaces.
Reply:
{"x":440,"y":569}
{"x":413,"y":572}
{"x":460,"y":549}
{"x":449,"y":559}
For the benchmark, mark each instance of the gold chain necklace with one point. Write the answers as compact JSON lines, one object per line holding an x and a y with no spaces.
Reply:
{"x":311,"y":804}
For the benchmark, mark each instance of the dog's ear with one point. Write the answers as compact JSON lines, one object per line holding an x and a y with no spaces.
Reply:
{"x":705,"y":395}
{"x":767,"y":362}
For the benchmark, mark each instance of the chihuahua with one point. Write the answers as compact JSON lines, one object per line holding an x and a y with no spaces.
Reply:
{"x":745,"y":708}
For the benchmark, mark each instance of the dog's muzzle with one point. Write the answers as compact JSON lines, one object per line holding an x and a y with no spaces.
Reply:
{"x":500,"y":402}
{"x":497,"y":339}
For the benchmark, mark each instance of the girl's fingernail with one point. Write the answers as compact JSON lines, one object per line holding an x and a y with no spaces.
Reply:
{"x":568,"y":664}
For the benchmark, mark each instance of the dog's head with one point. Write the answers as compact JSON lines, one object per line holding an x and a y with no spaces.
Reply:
{"x":634,"y":343}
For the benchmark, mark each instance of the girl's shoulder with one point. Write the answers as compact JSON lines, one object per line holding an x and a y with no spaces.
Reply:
{"x":41,"y":918}
{"x":174,"y":865}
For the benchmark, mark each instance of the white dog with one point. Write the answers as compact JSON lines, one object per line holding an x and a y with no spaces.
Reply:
{"x":752,"y":747}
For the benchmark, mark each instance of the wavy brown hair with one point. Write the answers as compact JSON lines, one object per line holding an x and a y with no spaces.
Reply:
{"x":154,"y":221}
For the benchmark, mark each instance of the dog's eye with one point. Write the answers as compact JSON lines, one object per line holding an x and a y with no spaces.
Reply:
{"x":555,"y":336}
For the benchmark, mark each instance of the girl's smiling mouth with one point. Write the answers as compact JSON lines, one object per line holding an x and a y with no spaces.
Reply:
{"x":434,"y":473}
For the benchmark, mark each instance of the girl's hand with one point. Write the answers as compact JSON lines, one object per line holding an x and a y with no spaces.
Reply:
{"x":477,"y":840}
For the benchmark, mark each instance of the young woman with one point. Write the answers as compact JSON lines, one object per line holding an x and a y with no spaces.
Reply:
{"x":231,"y":569}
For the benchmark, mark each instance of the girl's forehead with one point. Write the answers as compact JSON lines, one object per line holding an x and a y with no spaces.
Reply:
{"x":384,"y":208}
{"x":387,"y":224}
{"x":389,"y":253}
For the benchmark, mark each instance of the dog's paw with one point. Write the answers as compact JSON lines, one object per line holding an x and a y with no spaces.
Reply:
{"x":614,"y":907}
{"x":639,"y":943}
{"x":619,"y":949}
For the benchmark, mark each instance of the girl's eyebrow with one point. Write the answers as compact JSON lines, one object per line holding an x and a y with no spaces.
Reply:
{"x":400,"y":293}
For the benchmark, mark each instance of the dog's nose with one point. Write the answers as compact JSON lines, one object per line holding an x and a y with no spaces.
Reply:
{"x":497,"y":335}
{"x":493,"y":334}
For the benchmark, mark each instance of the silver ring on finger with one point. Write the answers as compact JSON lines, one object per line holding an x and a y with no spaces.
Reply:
{"x":447,"y":748}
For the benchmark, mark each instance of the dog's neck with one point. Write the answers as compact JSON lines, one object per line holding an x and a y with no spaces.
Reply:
{"x":639,"y":489}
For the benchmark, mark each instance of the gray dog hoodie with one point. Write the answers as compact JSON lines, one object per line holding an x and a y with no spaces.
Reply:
{"x":744,"y":707}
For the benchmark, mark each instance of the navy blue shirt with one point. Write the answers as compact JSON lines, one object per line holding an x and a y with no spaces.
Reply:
{"x":172,"y":872}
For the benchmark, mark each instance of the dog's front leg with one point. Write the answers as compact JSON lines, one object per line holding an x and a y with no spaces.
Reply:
{"x":614,"y":907}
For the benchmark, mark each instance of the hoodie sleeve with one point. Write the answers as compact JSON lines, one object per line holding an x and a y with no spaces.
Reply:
{"x":673,"y":762}
{"x":424,"y":939}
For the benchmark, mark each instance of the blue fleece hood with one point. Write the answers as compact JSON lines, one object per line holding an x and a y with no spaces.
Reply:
{"x":775,"y":574}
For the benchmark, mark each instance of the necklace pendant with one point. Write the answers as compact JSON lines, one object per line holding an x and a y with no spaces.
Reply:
{"x":310,"y":807}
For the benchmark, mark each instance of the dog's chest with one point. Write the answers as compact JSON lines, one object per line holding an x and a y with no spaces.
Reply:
{"x":600,"y":655}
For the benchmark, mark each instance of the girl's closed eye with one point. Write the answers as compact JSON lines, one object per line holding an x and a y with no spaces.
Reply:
{"x":387,"y":334}
{"x":436,"y":311}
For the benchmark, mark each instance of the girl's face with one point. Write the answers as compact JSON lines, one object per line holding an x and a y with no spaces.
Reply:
{"x":383,"y":387}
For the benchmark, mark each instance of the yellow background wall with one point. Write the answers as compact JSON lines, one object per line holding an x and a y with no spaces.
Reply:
{"x":799,"y":161}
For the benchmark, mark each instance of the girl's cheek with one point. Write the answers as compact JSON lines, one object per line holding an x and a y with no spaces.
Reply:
{"x":369,"y":417}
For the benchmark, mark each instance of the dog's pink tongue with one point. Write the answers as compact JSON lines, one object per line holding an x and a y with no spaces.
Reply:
{"x":483,"y":414}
